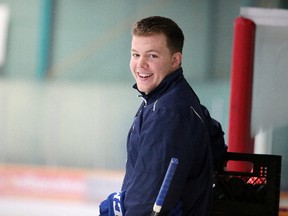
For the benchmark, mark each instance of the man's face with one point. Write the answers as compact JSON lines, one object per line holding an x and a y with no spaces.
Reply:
{"x":151,"y":61}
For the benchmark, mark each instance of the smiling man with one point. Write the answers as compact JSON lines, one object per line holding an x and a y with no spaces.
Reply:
{"x":151,"y":61}
{"x":171,"y":122}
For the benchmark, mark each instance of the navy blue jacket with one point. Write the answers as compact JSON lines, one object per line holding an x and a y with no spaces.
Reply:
{"x":171,"y":122}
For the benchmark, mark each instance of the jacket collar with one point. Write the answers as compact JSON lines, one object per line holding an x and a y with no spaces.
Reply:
{"x":168,"y":81}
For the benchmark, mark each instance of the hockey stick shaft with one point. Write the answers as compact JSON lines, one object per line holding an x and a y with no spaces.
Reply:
{"x":165,"y":186}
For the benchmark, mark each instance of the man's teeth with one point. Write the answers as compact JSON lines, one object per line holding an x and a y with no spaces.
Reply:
{"x":145,"y":75}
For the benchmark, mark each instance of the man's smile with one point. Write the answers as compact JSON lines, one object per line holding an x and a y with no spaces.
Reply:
{"x":145,"y":75}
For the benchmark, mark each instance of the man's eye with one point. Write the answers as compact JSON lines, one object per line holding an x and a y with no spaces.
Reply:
{"x":135,"y":55}
{"x":153,"y":56}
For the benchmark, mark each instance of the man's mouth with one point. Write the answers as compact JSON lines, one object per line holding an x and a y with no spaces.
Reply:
{"x":144,"y":76}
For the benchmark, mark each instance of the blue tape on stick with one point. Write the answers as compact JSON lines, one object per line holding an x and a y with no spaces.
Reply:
{"x":166,"y":182}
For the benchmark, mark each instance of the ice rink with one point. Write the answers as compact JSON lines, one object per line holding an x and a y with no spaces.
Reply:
{"x":46,"y":191}
{"x":34,"y":207}
{"x":43,"y":191}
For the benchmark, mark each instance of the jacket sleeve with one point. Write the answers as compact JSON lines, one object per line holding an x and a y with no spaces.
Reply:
{"x":163,"y":135}
{"x":218,"y":146}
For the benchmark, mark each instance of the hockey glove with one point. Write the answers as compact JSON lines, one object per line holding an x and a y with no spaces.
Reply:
{"x":113,"y":205}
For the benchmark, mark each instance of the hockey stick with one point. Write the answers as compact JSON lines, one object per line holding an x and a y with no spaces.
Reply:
{"x":165,"y":186}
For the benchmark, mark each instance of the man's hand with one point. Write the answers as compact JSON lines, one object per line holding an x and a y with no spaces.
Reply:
{"x":113,"y":205}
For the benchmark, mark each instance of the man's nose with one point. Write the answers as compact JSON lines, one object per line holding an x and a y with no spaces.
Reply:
{"x":142,"y":63}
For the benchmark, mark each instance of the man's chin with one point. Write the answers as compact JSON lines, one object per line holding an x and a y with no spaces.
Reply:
{"x":144,"y":90}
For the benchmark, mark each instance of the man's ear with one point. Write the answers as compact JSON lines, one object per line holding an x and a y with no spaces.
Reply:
{"x":176,"y":59}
